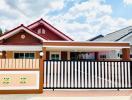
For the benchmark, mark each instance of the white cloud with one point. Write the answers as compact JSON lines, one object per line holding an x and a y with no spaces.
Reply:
{"x":27,"y":11}
{"x":57,"y":4}
{"x":3,"y":5}
{"x":97,"y":14}
{"x":38,"y":7}
{"x":127,"y":2}
{"x":89,"y":9}
{"x":98,"y":20}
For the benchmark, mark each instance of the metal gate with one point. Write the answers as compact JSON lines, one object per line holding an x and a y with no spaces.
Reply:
{"x":87,"y":75}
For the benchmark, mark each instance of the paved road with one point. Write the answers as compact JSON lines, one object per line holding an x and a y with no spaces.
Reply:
{"x":37,"y":97}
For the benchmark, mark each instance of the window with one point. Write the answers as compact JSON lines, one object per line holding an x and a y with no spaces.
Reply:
{"x":74,"y":56}
{"x":16,"y":55}
{"x":24,"y":55}
{"x":118,"y":54}
{"x":102,"y":56}
{"x":41,"y":31}
{"x":54,"y":56}
{"x":21,"y":55}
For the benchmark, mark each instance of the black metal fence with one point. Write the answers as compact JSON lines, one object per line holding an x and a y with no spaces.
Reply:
{"x":87,"y":75}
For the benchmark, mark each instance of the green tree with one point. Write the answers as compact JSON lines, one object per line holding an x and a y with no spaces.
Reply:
{"x":1,"y":31}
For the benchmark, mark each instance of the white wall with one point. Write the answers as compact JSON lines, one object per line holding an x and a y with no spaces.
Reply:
{"x":110,"y":54}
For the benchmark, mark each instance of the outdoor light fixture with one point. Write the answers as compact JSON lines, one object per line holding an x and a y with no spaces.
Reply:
{"x":41,"y":53}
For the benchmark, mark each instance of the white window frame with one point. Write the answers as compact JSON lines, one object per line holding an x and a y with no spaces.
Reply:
{"x":59,"y":53}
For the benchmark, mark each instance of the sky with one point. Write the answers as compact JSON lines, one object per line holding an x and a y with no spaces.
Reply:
{"x":79,"y":19}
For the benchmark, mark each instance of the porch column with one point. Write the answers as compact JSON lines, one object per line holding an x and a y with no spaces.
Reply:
{"x":44,"y":53}
{"x":126,"y":54}
{"x":96,"y":56}
{"x":42,"y":69}
{"x":68,"y":55}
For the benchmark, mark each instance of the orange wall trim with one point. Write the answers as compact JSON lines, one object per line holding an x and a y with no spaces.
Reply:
{"x":33,"y":91}
{"x":83,"y":44}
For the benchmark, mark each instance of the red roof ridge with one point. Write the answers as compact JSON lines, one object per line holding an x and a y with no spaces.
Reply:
{"x":11,"y":30}
{"x":35,"y":22}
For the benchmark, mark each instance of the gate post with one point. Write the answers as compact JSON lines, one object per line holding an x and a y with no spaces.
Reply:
{"x":131,"y":74}
{"x":41,"y":70}
{"x":42,"y":61}
{"x":126,"y":54}
{"x":44,"y":53}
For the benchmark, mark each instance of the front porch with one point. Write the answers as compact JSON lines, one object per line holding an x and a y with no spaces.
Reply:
{"x":60,"y":50}
{"x":90,"y":51}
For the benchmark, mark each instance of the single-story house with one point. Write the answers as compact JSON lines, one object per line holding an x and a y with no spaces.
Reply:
{"x":40,"y":56}
{"x":27,"y":42}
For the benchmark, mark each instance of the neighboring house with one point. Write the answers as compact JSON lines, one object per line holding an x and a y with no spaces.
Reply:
{"x":122,"y":35}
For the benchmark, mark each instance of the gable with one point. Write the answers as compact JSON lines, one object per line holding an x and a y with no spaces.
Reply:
{"x":17,"y":30}
{"x":49,"y":35}
{"x":52,"y":32}
{"x":22,"y":38}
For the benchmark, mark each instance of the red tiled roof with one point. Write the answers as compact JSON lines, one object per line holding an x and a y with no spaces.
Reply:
{"x":52,"y":28}
{"x":18,"y":28}
{"x":39,"y":34}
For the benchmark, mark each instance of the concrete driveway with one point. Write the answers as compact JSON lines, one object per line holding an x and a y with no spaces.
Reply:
{"x":72,"y":95}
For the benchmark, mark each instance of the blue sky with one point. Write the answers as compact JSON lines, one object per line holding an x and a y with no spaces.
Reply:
{"x":120,"y":8}
{"x":80,"y":19}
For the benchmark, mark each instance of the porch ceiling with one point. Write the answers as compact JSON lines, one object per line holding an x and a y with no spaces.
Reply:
{"x":20,"y":47}
{"x":84,"y":46}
